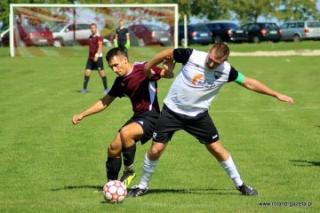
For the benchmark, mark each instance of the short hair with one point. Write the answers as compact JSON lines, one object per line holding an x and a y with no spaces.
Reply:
{"x":221,"y":50}
{"x":93,"y":24}
{"x":116,"y":52}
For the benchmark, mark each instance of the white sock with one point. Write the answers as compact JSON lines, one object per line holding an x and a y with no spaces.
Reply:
{"x":232,"y":171}
{"x":148,"y":169}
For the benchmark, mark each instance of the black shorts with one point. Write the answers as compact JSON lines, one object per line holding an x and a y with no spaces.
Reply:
{"x":147,"y":120}
{"x":94,"y":65}
{"x":201,"y":126}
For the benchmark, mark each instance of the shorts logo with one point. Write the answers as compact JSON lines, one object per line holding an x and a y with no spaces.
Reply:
{"x":140,"y":122}
{"x":154,"y":135}
{"x":214,"y":137}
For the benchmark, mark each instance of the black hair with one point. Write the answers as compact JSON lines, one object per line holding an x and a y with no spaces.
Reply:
{"x":116,"y":52}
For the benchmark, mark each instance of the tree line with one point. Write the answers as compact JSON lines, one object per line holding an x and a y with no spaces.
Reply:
{"x":241,"y":10}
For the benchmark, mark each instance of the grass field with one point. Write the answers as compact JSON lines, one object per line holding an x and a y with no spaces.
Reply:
{"x":48,"y":165}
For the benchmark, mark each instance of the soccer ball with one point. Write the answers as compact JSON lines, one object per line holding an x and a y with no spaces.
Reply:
{"x":114,"y":191}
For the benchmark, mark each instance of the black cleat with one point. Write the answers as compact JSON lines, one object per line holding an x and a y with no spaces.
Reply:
{"x":136,"y":191}
{"x":127,"y":177}
{"x":247,"y":190}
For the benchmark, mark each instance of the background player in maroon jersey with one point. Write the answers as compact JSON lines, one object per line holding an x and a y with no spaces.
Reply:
{"x":94,"y":61}
{"x":141,"y":89}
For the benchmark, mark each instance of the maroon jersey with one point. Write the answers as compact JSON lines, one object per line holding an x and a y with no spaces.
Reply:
{"x":93,"y":45}
{"x":141,"y":89}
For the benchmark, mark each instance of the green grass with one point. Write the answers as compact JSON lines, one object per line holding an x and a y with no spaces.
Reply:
{"x":49,"y":165}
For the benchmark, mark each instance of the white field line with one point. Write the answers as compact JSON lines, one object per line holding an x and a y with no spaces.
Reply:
{"x":300,"y":109}
{"x":278,"y":53}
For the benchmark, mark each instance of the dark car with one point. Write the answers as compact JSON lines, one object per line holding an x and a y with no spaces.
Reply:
{"x":148,"y":34}
{"x":256,"y":32}
{"x":221,"y":31}
{"x":197,"y":34}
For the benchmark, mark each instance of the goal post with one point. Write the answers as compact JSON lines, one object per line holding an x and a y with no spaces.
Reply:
{"x":24,"y":17}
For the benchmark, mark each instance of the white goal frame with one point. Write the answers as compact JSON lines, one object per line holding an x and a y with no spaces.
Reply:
{"x":12,"y":6}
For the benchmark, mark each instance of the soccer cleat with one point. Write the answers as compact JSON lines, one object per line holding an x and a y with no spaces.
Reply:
{"x":127,"y":177}
{"x":136,"y":191}
{"x":247,"y":190}
{"x":84,"y":91}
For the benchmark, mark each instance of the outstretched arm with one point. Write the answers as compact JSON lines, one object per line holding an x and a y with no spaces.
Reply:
{"x":257,"y":86}
{"x":95,"y":108}
{"x":165,"y":55}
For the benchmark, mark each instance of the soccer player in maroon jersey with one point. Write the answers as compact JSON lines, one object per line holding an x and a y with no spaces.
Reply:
{"x":94,"y":61}
{"x":141,"y":89}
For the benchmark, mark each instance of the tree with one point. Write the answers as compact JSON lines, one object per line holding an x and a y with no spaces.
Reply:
{"x":297,"y":10}
{"x":250,"y":10}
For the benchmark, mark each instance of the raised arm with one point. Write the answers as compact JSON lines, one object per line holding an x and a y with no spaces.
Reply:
{"x":165,"y":55}
{"x":95,"y":108}
{"x":257,"y":86}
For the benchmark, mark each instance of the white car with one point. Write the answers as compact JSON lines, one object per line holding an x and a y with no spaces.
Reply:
{"x":70,"y":33}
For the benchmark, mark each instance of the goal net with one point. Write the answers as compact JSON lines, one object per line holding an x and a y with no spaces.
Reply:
{"x":48,"y":29}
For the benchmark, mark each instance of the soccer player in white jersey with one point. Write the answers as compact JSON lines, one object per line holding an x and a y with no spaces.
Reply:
{"x":186,"y":107}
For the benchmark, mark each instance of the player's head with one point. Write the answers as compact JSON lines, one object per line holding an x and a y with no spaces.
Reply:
{"x":93,"y":28}
{"x":217,"y":54}
{"x":117,"y":59}
{"x":121,"y":22}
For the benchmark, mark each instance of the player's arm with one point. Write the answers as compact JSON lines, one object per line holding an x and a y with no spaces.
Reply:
{"x":128,"y":44}
{"x":115,"y":40}
{"x":95,"y":108}
{"x":99,"y":51}
{"x":157,"y":59}
{"x":167,"y":69}
{"x":257,"y":86}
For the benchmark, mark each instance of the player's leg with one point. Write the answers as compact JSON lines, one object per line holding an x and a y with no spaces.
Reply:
{"x":102,"y":74}
{"x":205,"y":131}
{"x":150,"y":162}
{"x":167,"y":124}
{"x":129,"y":134}
{"x":86,"y":79}
{"x":113,"y":163}
{"x":87,"y":73}
{"x":227,"y":163}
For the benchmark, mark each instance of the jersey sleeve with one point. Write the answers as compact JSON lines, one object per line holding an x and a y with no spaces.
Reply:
{"x":156,"y":73}
{"x":116,"y":89}
{"x":233,"y":74}
{"x":182,"y":55}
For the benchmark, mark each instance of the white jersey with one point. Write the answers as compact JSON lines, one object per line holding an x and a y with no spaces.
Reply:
{"x":196,"y":86}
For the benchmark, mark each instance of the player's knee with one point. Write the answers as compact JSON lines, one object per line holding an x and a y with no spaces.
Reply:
{"x":125,"y":135}
{"x":155,"y":151}
{"x":113,"y":150}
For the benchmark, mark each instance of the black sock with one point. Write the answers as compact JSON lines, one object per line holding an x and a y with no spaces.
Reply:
{"x":113,"y":166}
{"x":104,"y":81}
{"x":85,"y":81}
{"x":128,"y":155}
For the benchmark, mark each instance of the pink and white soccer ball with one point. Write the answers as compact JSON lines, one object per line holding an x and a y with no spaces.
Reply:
{"x":114,"y":191}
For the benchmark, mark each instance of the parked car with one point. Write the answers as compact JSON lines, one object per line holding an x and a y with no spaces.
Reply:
{"x":148,"y":34}
{"x":69,"y":33}
{"x":197,"y":34}
{"x":221,"y":30}
{"x":300,"y":30}
{"x":256,"y":32}
{"x":33,"y":35}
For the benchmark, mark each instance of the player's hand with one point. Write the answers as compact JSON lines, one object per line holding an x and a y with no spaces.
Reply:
{"x":284,"y":98}
{"x":77,"y":118}
{"x":95,"y":59}
{"x":168,"y":64}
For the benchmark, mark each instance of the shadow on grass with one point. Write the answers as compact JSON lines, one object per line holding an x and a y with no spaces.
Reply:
{"x":98,"y":188}
{"x":305,"y":163}
{"x":160,"y":191}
